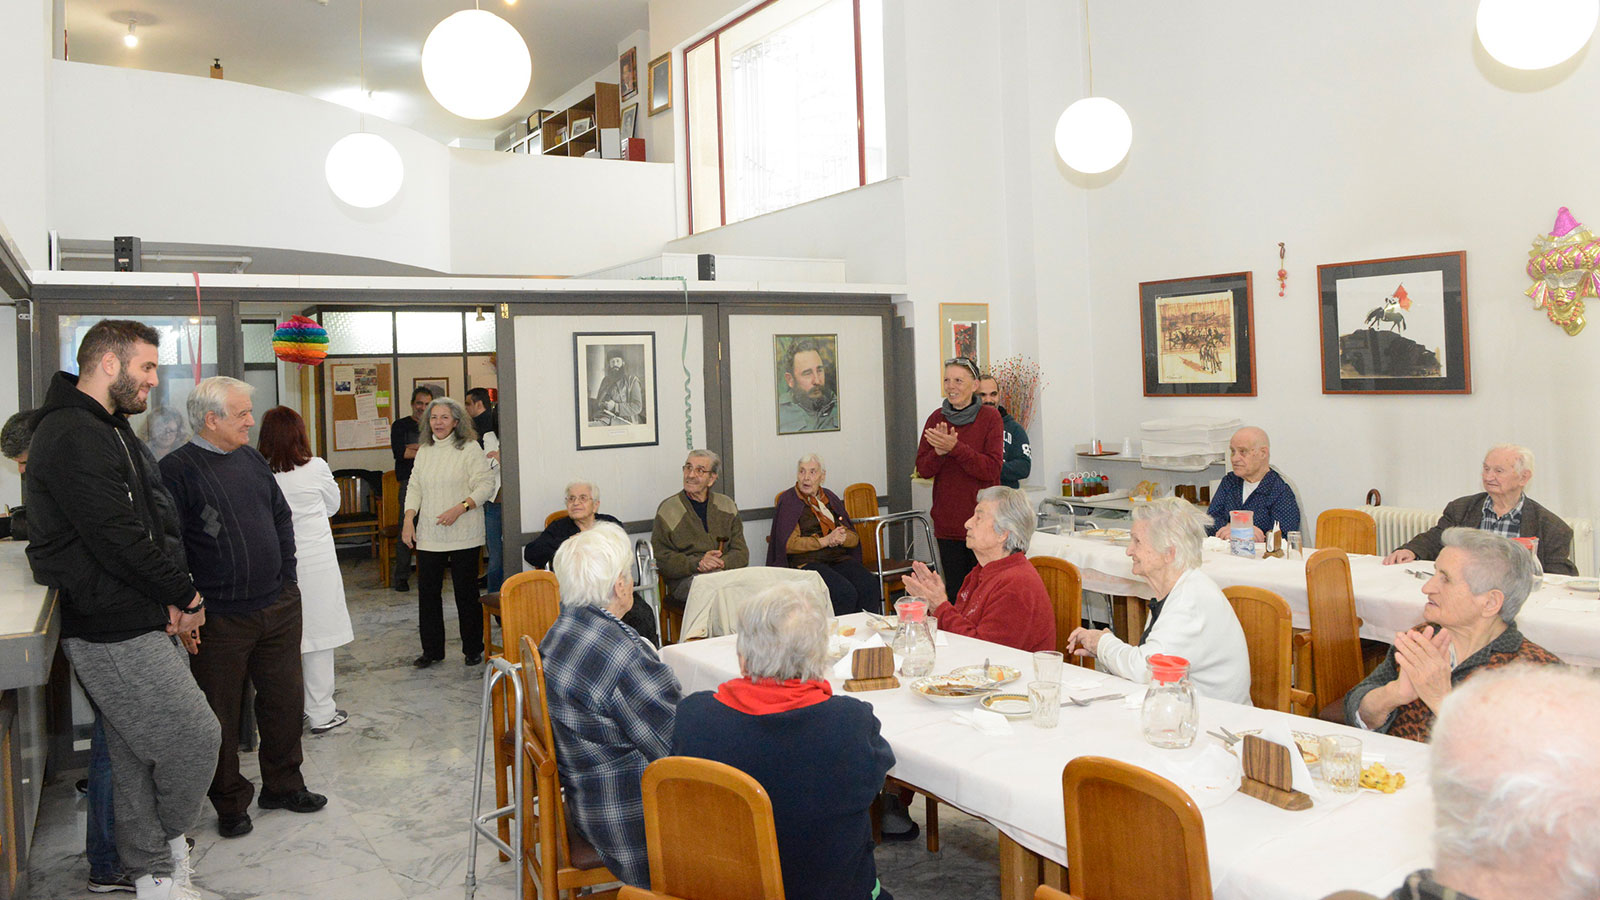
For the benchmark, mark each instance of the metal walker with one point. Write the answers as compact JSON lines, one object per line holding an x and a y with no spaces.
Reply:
{"x":497,"y":669}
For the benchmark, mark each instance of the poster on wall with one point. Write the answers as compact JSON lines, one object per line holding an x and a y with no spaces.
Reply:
{"x":1196,"y":336}
{"x":1395,"y":326}
{"x":615,"y":401}
{"x":964,"y":331}
{"x":629,"y":66}
{"x":437,"y":386}
{"x":805,"y":382}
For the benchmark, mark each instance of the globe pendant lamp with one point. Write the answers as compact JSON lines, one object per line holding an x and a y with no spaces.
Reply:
{"x":476,"y":65}
{"x":1536,"y":34}
{"x":363,"y":169}
{"x":1094,"y":134}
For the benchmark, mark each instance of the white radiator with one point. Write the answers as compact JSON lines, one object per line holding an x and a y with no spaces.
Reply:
{"x":1398,"y":524}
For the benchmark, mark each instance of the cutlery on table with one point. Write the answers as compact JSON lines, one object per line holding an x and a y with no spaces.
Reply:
{"x":1074,"y":701}
{"x":1418,"y":574}
{"x":1230,"y":741}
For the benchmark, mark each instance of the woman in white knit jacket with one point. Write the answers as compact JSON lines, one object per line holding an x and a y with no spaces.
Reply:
{"x":444,"y":524}
{"x":1190,"y":617}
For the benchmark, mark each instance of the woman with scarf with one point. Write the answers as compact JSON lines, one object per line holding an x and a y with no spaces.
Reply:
{"x":820,"y":758}
{"x":962,"y":449}
{"x":811,"y":531}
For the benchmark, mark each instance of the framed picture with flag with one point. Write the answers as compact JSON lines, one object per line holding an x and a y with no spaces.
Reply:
{"x":1395,"y":326}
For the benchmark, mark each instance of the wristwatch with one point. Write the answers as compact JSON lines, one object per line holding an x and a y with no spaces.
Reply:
{"x":466,"y":505}
{"x":189,"y":611}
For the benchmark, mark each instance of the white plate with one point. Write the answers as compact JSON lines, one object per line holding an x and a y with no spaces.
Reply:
{"x":1583,"y":584}
{"x":1012,"y":706}
{"x":924,"y":686}
{"x":998,"y":673}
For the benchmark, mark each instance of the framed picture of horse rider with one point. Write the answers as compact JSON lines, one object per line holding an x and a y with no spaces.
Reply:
{"x":1198,"y":336}
{"x":1395,"y":326}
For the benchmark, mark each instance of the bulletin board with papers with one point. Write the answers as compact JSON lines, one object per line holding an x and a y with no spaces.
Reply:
{"x":362,"y":405}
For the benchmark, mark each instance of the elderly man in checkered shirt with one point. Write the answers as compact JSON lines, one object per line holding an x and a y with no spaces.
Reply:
{"x":1502,"y":508}
{"x":612,"y":700}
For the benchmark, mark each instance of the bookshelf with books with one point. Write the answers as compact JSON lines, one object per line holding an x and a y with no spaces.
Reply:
{"x":591,"y":126}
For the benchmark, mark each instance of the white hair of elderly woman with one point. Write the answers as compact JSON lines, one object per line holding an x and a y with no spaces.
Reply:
{"x":211,"y":396}
{"x":1521,"y":456}
{"x":1013,"y":517}
{"x":459,"y":435}
{"x":811,"y":458}
{"x":590,"y":563}
{"x":1512,"y":751}
{"x":1494,"y":563}
{"x":594,"y":492}
{"x":783,"y":635}
{"x":1172,"y":523}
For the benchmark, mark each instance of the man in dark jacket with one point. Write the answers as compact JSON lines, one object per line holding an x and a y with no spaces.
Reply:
{"x":105,"y":535}
{"x":238,"y":533}
{"x":1019,"y":456}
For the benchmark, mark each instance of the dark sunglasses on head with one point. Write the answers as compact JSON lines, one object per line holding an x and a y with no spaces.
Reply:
{"x":964,"y":362}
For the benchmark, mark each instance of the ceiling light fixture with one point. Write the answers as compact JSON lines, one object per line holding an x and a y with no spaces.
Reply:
{"x":476,"y":64}
{"x":130,"y":39}
{"x":1094,"y":134}
{"x":363,"y":169}
{"x":1536,"y":34}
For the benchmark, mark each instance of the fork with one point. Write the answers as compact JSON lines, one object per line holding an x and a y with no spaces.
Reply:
{"x":1076,"y":702}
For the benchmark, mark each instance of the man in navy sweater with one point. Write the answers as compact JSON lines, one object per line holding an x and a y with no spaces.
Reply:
{"x":1253,"y":485}
{"x":1019,"y":455}
{"x":239,"y":536}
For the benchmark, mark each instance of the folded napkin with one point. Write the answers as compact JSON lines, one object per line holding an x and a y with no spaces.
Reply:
{"x":990,"y":723}
{"x":1214,"y":544}
{"x":1278,"y":733}
{"x":1210,"y":777}
{"x":1135,"y":699}
{"x":1074,"y":678}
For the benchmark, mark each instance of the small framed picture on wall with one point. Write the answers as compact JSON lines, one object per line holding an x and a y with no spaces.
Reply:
{"x":964,"y":331}
{"x":805,"y":378}
{"x":629,"y":66}
{"x":1197,"y":336}
{"x":1396,"y":326}
{"x":661,"y":84}
{"x":630,"y":120}
{"x":615,"y":400}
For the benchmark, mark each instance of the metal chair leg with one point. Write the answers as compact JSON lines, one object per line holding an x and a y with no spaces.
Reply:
{"x":497,"y":669}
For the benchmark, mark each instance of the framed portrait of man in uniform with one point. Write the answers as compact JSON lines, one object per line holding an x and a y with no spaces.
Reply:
{"x":615,"y":389}
{"x":806,"y":382}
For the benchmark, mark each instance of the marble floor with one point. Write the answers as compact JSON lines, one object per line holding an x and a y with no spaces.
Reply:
{"x":398,"y":779}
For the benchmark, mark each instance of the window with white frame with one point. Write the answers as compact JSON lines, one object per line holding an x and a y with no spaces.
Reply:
{"x":784,"y":105}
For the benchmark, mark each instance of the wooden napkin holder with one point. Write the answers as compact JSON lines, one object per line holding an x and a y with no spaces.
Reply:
{"x":872,"y":669}
{"x":1268,"y":775}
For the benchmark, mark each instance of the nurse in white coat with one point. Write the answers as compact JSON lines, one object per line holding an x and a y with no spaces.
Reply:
{"x":313,"y":496}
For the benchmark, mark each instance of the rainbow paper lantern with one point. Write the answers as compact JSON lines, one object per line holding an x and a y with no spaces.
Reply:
{"x":300,"y":340}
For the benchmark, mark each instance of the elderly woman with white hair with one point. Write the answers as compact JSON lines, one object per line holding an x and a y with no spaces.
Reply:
{"x":1479,"y":583}
{"x":444,"y":523}
{"x":582,"y":501}
{"x":811,"y":531}
{"x":1002,"y":599}
{"x":820,"y":757}
{"x":1189,"y":617}
{"x":611,"y":699}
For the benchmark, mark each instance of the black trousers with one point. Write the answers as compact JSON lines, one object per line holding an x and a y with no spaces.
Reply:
{"x":463,"y":566}
{"x":957,"y":561}
{"x":263,"y":648}
{"x":851,"y":587}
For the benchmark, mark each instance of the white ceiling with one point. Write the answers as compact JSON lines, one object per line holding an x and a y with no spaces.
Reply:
{"x":310,"y":47}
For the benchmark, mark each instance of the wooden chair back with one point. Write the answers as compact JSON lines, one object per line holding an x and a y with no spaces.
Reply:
{"x":1064,"y":583}
{"x":1268,"y":633}
{"x":1045,"y":892}
{"x":861,"y":502}
{"x":555,"y":517}
{"x":529,"y":604}
{"x":629,"y":892}
{"x":389,"y":513}
{"x":547,"y":848}
{"x":1131,"y":834}
{"x":1335,"y":630}
{"x":1350,"y":530}
{"x":709,"y":831}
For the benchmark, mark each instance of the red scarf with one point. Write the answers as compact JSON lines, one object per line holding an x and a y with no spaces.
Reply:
{"x":758,"y":698}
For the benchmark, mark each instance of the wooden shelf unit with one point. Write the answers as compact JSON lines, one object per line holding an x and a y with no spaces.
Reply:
{"x":592,"y":123}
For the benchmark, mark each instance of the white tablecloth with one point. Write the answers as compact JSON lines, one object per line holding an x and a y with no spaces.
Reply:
{"x":1367,"y":841}
{"x":1388,"y":599}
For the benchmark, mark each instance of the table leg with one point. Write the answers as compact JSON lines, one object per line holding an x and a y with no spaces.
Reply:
{"x":1055,"y":875}
{"x":1019,"y":870}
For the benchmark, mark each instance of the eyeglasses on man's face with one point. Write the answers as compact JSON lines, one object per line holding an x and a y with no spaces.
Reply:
{"x":698,"y":471}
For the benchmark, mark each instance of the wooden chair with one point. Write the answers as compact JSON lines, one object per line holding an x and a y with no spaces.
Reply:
{"x":861,"y":502}
{"x":555,"y":517}
{"x":670,"y":616}
{"x":1350,"y":530}
{"x":1131,"y":834}
{"x":388,"y":526}
{"x":1331,"y":651}
{"x":1064,"y":583}
{"x":358,"y":507}
{"x":709,"y":831}
{"x":528,"y":605}
{"x":1268,"y":634}
{"x":554,"y":856}
{"x":1045,"y":892}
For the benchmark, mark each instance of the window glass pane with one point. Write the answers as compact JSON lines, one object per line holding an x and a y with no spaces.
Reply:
{"x":705,"y":202}
{"x":359,"y":333}
{"x":480,"y":335}
{"x":265,"y":381}
{"x":872,"y":103}
{"x":428,"y":332}
{"x":258,"y":342}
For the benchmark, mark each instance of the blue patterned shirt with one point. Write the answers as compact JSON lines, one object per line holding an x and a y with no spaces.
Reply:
{"x":1272,"y":502}
{"x":612,"y":705}
{"x":1508,"y":525}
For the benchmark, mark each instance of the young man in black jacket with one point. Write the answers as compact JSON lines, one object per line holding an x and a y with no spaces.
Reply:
{"x":1019,"y":455}
{"x":104,"y":532}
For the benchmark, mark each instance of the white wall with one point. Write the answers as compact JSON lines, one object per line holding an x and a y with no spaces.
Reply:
{"x":10,"y":481}
{"x":24,"y":152}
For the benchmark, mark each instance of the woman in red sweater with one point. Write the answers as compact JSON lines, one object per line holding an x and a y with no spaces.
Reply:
{"x":962,"y":448}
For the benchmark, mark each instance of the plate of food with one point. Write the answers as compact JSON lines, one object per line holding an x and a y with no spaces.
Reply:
{"x":1113,"y":535}
{"x":1310,"y":747}
{"x":952,"y":689}
{"x":1377,"y":778}
{"x":996,"y":673}
{"x":884,"y":625}
{"x":1012,"y":706}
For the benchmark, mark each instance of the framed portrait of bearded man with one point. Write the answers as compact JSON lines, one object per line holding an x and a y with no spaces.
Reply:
{"x":805,"y":382}
{"x":615,"y":389}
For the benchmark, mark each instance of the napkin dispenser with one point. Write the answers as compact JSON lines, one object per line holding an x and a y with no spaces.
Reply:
{"x":872,"y":669}
{"x":1268,"y":776}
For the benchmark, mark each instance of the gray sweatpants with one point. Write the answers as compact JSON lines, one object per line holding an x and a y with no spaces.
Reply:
{"x":162,"y":737}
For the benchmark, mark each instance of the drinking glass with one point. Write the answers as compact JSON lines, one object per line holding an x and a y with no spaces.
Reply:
{"x":933,"y":628}
{"x":1046,"y":696}
{"x":1341,"y":762}
{"x":1047,"y":665}
{"x":1293,"y":546}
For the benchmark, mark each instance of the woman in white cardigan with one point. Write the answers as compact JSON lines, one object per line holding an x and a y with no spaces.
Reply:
{"x":1190,"y":616}
{"x":313,"y":496}
{"x":444,"y":524}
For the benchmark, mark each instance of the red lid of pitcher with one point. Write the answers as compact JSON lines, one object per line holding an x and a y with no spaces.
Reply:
{"x":911,"y":610}
{"x":1166,"y":669}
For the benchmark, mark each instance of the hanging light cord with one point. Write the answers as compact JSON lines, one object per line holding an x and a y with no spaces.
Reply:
{"x":683,"y":358}
{"x":1088,"y":43}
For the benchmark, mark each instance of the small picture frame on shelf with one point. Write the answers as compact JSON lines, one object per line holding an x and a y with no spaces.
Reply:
{"x":579,"y":126}
{"x":661,"y":84}
{"x":630,"y":120}
{"x":628,"y":64}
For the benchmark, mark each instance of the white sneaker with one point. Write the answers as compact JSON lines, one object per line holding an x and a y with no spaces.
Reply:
{"x":182,"y":871}
{"x":151,"y":887}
